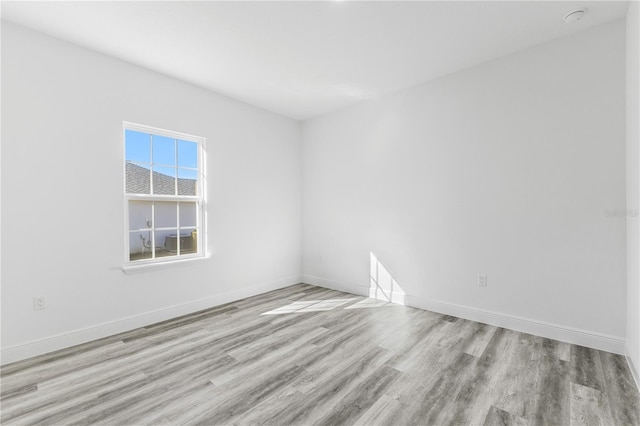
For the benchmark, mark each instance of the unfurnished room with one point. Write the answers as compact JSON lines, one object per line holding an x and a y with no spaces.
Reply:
{"x":320,"y":213}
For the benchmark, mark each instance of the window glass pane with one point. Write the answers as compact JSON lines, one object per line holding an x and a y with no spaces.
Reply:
{"x":139,"y":245}
{"x":164,"y":150}
{"x":166,"y":213}
{"x":187,"y":182}
{"x":164,"y":181}
{"x":166,"y":243}
{"x":137,"y":147}
{"x":140,"y":215}
{"x":188,"y":241}
{"x":138,"y":178}
{"x":188,"y":214}
{"x":187,"y":154}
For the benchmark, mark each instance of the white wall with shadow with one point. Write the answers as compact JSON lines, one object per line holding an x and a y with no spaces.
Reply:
{"x":382,"y":284}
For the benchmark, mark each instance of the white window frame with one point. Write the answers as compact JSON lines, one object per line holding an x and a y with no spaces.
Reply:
{"x":200,"y":198}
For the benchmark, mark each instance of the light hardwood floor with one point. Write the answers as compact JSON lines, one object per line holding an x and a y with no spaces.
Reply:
{"x":306,"y":355}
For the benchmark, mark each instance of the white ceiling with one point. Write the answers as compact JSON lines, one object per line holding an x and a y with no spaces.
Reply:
{"x":303,"y":59}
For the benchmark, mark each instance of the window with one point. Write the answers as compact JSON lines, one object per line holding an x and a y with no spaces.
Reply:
{"x":165,"y":203}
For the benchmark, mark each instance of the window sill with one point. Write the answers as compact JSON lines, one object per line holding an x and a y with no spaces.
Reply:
{"x":146,"y":267}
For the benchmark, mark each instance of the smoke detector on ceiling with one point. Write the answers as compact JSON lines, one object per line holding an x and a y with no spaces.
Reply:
{"x":575,"y":16}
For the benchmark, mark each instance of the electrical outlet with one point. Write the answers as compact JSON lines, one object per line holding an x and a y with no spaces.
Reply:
{"x":39,"y":303}
{"x":482,"y":280}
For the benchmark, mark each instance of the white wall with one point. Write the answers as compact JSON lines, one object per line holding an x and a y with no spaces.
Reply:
{"x":633,"y":187}
{"x":62,"y":195}
{"x":504,"y":169}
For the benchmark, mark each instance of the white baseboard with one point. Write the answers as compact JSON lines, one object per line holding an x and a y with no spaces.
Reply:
{"x":538,"y":328}
{"x":392,"y":296}
{"x":76,"y":337}
{"x":634,"y":371}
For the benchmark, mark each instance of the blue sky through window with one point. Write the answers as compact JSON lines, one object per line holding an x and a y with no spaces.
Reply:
{"x":164,"y":150}
{"x":187,"y":174}
{"x":137,"y":147}
{"x":187,"y":154}
{"x":138,"y":150}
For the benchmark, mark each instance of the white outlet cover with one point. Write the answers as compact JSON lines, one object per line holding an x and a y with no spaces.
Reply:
{"x":39,"y":303}
{"x":482,"y":280}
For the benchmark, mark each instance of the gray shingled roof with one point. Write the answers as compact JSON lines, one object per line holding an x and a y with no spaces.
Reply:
{"x":138,"y":182}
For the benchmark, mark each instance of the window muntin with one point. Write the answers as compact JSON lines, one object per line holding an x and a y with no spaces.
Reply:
{"x":164,"y":195}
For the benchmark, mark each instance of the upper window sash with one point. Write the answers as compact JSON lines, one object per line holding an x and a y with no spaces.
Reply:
{"x":162,"y":163}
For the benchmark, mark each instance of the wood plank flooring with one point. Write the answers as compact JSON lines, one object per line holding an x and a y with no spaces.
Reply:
{"x":305,"y":355}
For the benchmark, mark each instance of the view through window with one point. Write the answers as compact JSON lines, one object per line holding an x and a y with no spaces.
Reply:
{"x":164,"y":194}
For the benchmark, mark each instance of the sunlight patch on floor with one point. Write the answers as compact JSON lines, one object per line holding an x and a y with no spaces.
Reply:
{"x":368,"y":303}
{"x":310,"y":306}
